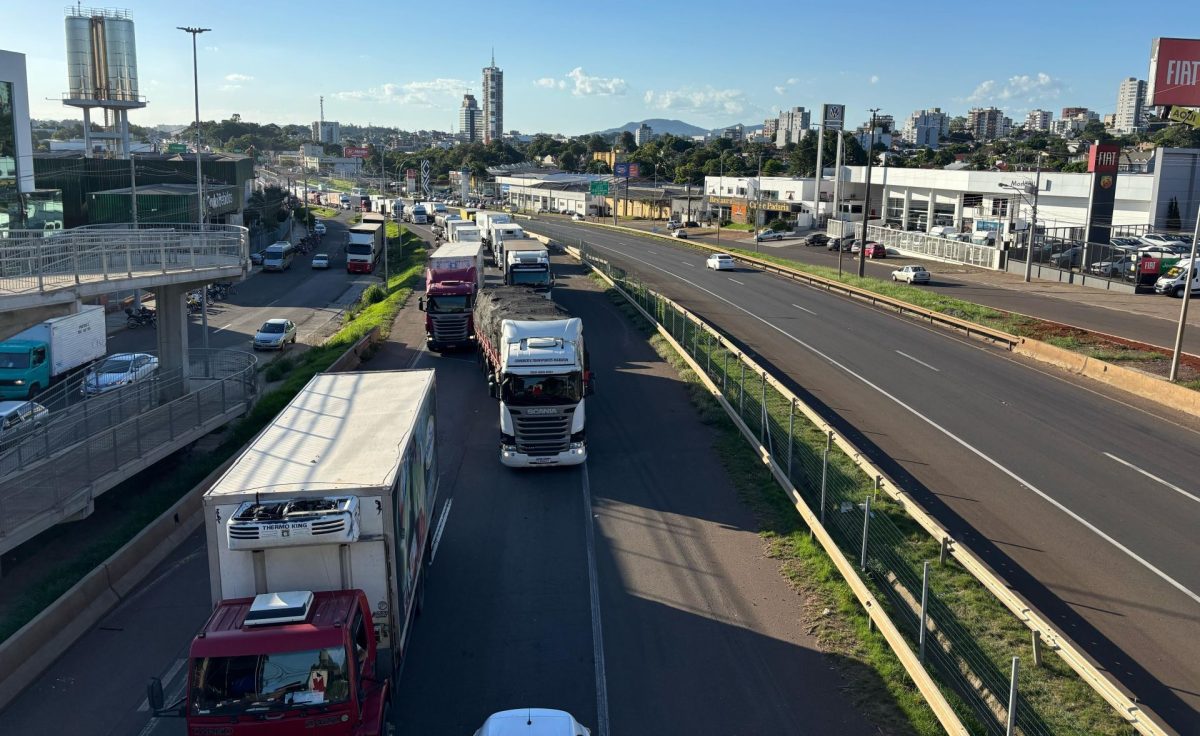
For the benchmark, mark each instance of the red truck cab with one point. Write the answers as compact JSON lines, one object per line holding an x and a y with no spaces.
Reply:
{"x":453,"y":277}
{"x":285,"y":663}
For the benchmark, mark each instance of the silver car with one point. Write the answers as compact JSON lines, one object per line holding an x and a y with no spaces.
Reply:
{"x":275,"y":334}
{"x":117,"y":370}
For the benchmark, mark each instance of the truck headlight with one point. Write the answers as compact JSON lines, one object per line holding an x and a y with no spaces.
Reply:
{"x":19,"y":382}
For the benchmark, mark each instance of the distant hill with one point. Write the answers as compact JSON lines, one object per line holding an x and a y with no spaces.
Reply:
{"x":660,"y":126}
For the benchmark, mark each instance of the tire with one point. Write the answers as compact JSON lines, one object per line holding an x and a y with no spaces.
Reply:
{"x":1178,"y":294}
{"x":34,"y":388}
{"x":894,"y":279}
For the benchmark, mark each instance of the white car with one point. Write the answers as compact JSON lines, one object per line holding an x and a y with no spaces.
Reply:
{"x":532,"y":722}
{"x":275,"y":334}
{"x":720,"y":262}
{"x":912,"y":275}
{"x":1160,"y":239}
{"x":770,"y":235}
{"x":577,"y":217}
{"x":319,"y":228}
{"x":117,"y":370}
{"x":679,"y":233}
{"x":320,"y":260}
{"x":16,"y":415}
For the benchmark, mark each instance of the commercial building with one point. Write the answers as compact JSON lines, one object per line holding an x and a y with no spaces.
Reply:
{"x":737,"y":198}
{"x":927,"y":127}
{"x":987,"y":123}
{"x":493,"y":103}
{"x":1131,"y":106}
{"x":791,"y":126}
{"x":643,"y":135}
{"x":551,"y":191}
{"x":468,"y":120}
{"x":22,"y":204}
{"x":1038,"y":120}
{"x":327,"y":131}
{"x":160,"y":203}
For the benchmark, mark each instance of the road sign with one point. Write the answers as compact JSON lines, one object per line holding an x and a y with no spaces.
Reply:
{"x":426,"y":168}
{"x":599,"y":187}
{"x":176,"y":148}
{"x":1189,"y":115}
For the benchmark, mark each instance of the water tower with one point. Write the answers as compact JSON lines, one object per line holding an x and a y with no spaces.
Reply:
{"x":102,"y":72}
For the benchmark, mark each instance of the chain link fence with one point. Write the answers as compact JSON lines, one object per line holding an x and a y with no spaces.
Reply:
{"x":867,"y":526}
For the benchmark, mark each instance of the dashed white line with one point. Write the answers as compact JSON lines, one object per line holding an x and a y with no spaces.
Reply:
{"x":652,"y":252}
{"x":966,"y":445}
{"x":917,"y":360}
{"x":1152,"y":476}
{"x":688,"y":264}
{"x":735,"y":280}
{"x":805,"y":309}
{"x":441,"y":526}
{"x":594,"y":599}
{"x":222,"y":327}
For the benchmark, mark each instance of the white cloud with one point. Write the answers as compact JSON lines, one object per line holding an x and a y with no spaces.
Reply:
{"x":432,"y":93}
{"x":1022,"y":87}
{"x":874,"y":79}
{"x":550,"y":83}
{"x":706,"y":100}
{"x":229,"y":87}
{"x":586,"y":85}
{"x":238,"y":78}
{"x":783,"y":88}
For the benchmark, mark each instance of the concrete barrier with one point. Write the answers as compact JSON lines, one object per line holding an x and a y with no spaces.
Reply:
{"x":353,"y":358}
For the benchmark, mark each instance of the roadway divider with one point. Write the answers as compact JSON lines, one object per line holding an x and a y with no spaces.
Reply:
{"x":780,"y":442}
{"x":1145,"y":385}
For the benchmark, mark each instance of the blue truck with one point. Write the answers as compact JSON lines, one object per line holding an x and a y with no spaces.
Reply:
{"x":33,"y":359}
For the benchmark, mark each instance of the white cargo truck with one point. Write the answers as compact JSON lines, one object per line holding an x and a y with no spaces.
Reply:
{"x":33,"y":359}
{"x":529,"y":269}
{"x":509,"y":236}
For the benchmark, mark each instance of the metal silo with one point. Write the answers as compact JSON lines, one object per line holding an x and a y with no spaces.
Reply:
{"x":80,"y":71}
{"x":102,"y":72}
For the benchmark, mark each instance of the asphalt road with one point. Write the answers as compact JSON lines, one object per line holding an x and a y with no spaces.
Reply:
{"x":631,"y":591}
{"x":1084,"y":500}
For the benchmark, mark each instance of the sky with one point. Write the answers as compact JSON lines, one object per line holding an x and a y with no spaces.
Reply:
{"x":572,"y":71}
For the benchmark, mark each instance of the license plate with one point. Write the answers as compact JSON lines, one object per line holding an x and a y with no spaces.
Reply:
{"x":541,"y":460}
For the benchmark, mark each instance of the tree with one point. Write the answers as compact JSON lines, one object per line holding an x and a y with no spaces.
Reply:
{"x":597,"y":144}
{"x":1095,"y":131}
{"x":628,"y":142}
{"x":568,"y":161}
{"x":773,"y":167}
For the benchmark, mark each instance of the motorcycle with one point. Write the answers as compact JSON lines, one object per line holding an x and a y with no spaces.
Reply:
{"x":144,"y":317}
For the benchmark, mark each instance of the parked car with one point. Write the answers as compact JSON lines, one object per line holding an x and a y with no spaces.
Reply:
{"x":816,"y":239}
{"x":875,"y":250}
{"x":1069,"y":258}
{"x":319,"y":227}
{"x":856,"y":246}
{"x":673,"y":224}
{"x":912,"y":275}
{"x":1113,"y":267}
{"x":838,"y":244}
{"x":256,"y":258}
{"x":577,"y":217}
{"x":1167,"y":250}
{"x":117,"y":370}
{"x":679,"y":233}
{"x":320,"y":260}
{"x":275,"y":334}
{"x":770,"y":235}
{"x":1124,"y":242}
{"x":20,"y":415}
{"x":720,"y":262}
{"x":1162,"y":239}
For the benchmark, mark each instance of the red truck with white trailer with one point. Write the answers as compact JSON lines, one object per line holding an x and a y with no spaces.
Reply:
{"x":453,"y":276}
{"x":318,"y":538}
{"x":365,"y":247}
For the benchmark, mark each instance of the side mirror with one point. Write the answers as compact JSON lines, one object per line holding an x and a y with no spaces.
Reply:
{"x":421,"y":303}
{"x":492,"y":387}
{"x":154,"y":694}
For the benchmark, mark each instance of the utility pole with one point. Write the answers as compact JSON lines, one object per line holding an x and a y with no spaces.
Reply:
{"x":862,"y":250}
{"x":757,"y":200}
{"x":818,"y":172}
{"x":837,"y":176}
{"x":137,"y":293}
{"x":1189,"y":278}
{"x":1037,"y":188}
{"x":720,"y":188}
{"x":199,"y":176}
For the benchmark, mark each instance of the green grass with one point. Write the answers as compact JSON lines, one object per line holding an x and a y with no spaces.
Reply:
{"x":168,"y":489}
{"x":326,"y":212}
{"x":1054,"y":695}
{"x":738,"y":226}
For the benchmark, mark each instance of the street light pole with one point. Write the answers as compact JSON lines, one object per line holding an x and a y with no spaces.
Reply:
{"x":862,"y":249}
{"x":757,"y":200}
{"x":199,"y":176}
{"x":1188,"y":279}
{"x":1037,"y":188}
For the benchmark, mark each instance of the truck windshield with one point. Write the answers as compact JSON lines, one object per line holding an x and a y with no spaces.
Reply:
{"x":538,"y":277}
{"x":262,"y":682}
{"x":14,"y":360}
{"x":449,"y":303}
{"x":533,"y":390}
{"x":358,"y":250}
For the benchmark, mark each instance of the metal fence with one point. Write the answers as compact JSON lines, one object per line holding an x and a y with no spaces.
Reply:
{"x":62,"y":478}
{"x":33,"y":261}
{"x":867,"y":527}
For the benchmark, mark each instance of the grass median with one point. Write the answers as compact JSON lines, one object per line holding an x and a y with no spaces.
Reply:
{"x":975,"y":636}
{"x":144,"y":497}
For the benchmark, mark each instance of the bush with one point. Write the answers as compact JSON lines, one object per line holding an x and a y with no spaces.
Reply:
{"x":779,"y":225}
{"x":279,"y":368}
{"x":373,"y":294}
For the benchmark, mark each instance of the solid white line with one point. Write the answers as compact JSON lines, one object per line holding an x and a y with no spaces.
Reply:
{"x":979,"y":453}
{"x":223,"y":327}
{"x":805,"y":309}
{"x":734,"y":280}
{"x":441,"y":526}
{"x":918,"y":360}
{"x":166,"y":681}
{"x":594,"y":599}
{"x":1152,"y":476}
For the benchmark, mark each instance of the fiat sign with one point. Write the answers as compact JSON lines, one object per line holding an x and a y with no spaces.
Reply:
{"x":1174,"y":72}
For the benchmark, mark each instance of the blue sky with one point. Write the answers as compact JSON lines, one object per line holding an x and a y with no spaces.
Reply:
{"x":572,"y":70}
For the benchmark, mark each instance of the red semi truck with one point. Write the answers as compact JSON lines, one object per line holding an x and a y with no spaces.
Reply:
{"x":365,"y":247}
{"x":453,"y":276}
{"x":318,"y":538}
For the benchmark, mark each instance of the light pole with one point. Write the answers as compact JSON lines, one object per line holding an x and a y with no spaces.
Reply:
{"x":757,"y":200}
{"x":1188,"y":280}
{"x":1031,"y":238}
{"x":862,"y":249}
{"x":199,"y":176}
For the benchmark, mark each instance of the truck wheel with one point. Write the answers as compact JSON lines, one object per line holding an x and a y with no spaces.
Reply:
{"x":1178,"y":292}
{"x":33,"y":391}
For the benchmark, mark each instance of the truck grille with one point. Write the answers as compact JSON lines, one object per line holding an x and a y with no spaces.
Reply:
{"x":542,"y":434}
{"x":316,"y":528}
{"x":450,"y":328}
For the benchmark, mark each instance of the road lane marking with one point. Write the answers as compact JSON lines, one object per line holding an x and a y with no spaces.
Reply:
{"x":166,"y":681}
{"x":1152,"y":476}
{"x":653,"y":252}
{"x":223,"y":327}
{"x":688,"y":264}
{"x":966,"y":445}
{"x":734,"y":280}
{"x":594,"y":600}
{"x":441,"y":526}
{"x":918,"y":360}
{"x":805,"y":309}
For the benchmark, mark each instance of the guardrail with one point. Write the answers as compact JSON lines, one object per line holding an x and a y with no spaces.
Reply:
{"x":66,"y":480}
{"x":846,"y":516}
{"x":36,"y":261}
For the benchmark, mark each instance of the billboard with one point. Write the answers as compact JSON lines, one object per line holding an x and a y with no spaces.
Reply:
{"x":627,"y":170}
{"x":356,"y":152}
{"x":1102,"y":163}
{"x":1174,"y":72}
{"x":833,"y":116}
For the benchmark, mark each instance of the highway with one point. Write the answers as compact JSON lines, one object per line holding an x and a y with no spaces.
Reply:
{"x":631,"y":591}
{"x":1082,"y":498}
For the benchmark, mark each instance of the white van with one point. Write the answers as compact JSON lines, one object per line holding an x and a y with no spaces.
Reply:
{"x":1173,"y":281}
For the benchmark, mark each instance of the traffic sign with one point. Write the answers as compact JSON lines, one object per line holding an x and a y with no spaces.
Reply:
{"x":599,"y":187}
{"x":176,"y":148}
{"x":426,"y":169}
{"x":1189,"y":115}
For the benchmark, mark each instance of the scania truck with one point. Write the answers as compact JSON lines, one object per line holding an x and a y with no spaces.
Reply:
{"x":537,"y":366}
{"x":453,"y":276}
{"x":318,"y":538}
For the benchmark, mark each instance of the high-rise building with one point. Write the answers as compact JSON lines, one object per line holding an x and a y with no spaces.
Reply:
{"x":643,"y":135}
{"x":791,"y":126}
{"x":1038,"y":120}
{"x":988,"y":123}
{"x":734,"y":132}
{"x":326,"y":131}
{"x":927,"y":127}
{"x":770,"y":125}
{"x":468,"y":120}
{"x":1131,"y":105}
{"x":493,"y":102}
{"x":1070,"y":112}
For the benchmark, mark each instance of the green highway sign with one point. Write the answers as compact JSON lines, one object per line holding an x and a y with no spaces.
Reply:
{"x":599,"y":187}
{"x":176,"y":148}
